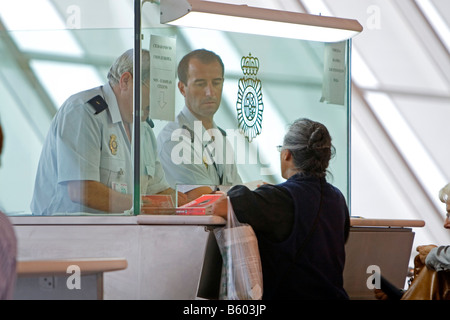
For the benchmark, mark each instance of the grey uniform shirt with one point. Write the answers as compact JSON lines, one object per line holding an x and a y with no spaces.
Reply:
{"x":84,"y":144}
{"x":191,"y":155}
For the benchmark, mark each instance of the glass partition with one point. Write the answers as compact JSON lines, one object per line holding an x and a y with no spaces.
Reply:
{"x":50,"y":51}
{"x":268,"y":83}
{"x":70,"y":47}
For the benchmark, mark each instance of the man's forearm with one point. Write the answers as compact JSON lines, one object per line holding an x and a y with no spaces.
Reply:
{"x":96,"y":195}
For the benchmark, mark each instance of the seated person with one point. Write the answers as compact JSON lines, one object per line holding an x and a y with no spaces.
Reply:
{"x":433,"y":257}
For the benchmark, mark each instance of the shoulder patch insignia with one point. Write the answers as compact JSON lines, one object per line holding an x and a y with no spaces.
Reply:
{"x":98,"y":103}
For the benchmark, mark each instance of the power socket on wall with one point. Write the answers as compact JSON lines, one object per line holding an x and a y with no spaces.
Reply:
{"x":47,"y":282}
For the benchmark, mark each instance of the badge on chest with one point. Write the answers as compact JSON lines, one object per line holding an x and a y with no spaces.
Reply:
{"x":113,"y":144}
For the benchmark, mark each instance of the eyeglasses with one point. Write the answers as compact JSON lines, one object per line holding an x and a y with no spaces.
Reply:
{"x":279,"y":148}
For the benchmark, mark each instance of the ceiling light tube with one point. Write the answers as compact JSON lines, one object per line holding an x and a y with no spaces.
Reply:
{"x":253,"y":20}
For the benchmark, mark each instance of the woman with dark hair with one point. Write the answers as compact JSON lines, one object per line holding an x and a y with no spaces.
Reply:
{"x":302,"y":224}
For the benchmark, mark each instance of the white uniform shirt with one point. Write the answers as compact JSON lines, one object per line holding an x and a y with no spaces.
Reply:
{"x":85,"y":145}
{"x":191,"y":157}
{"x":153,"y":179}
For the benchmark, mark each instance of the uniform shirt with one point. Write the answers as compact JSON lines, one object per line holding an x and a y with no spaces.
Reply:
{"x":85,"y":145}
{"x":191,"y":156}
{"x":153,"y":179}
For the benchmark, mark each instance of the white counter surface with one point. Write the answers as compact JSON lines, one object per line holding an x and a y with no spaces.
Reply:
{"x":117,"y":219}
{"x":180,"y":220}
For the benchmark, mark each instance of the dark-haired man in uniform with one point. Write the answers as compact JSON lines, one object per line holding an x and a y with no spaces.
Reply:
{"x":193,"y":149}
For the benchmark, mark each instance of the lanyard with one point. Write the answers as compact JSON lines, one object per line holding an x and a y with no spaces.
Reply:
{"x":191,"y":132}
{"x":220,"y":175}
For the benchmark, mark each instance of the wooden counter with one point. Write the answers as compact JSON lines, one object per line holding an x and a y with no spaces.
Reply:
{"x":58,"y":267}
{"x":364,"y":222}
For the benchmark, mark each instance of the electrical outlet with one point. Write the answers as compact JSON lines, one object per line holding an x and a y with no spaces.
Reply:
{"x":47,"y":282}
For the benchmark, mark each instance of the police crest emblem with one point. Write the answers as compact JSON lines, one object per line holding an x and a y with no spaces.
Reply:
{"x":249,"y":103}
{"x":113,"y":144}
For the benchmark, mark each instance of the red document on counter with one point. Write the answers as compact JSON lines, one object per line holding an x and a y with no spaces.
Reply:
{"x":157,"y":204}
{"x":200,"y":206}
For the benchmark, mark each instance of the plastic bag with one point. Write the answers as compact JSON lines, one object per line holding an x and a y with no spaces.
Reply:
{"x":241,"y":277}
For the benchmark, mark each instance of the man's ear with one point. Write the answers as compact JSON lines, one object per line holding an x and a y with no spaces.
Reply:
{"x":181,"y":87}
{"x":126,"y":80}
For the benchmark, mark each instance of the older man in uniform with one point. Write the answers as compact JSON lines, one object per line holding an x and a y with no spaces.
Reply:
{"x":86,"y":161}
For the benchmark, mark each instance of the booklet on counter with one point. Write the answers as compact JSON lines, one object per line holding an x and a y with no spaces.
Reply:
{"x":200,"y":206}
{"x":157,"y":204}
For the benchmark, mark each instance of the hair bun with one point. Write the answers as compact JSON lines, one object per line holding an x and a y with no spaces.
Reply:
{"x":319,"y":139}
{"x":310,"y":145}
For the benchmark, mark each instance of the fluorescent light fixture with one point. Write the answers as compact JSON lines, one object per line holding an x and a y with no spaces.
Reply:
{"x":253,"y":20}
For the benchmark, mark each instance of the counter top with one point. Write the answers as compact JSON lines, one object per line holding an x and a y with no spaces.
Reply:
{"x":365,"y":222}
{"x":108,"y":219}
{"x":179,"y":219}
{"x":73,"y":220}
{"x":59,"y":266}
{"x":144,"y":219}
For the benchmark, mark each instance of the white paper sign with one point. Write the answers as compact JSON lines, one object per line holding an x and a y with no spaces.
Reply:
{"x":333,"y":86}
{"x":162,"y":77}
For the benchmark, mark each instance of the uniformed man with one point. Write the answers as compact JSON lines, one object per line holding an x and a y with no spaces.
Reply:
{"x":86,"y":161}
{"x":193,"y":149}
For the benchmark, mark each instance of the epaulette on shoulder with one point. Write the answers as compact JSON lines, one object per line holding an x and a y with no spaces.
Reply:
{"x":98,"y":103}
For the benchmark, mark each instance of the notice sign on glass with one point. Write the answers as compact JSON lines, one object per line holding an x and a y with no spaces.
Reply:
{"x":162,"y":77}
{"x":333,"y":86}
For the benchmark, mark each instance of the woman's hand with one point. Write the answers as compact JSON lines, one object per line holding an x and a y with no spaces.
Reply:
{"x":424,"y":251}
{"x":220,"y":207}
